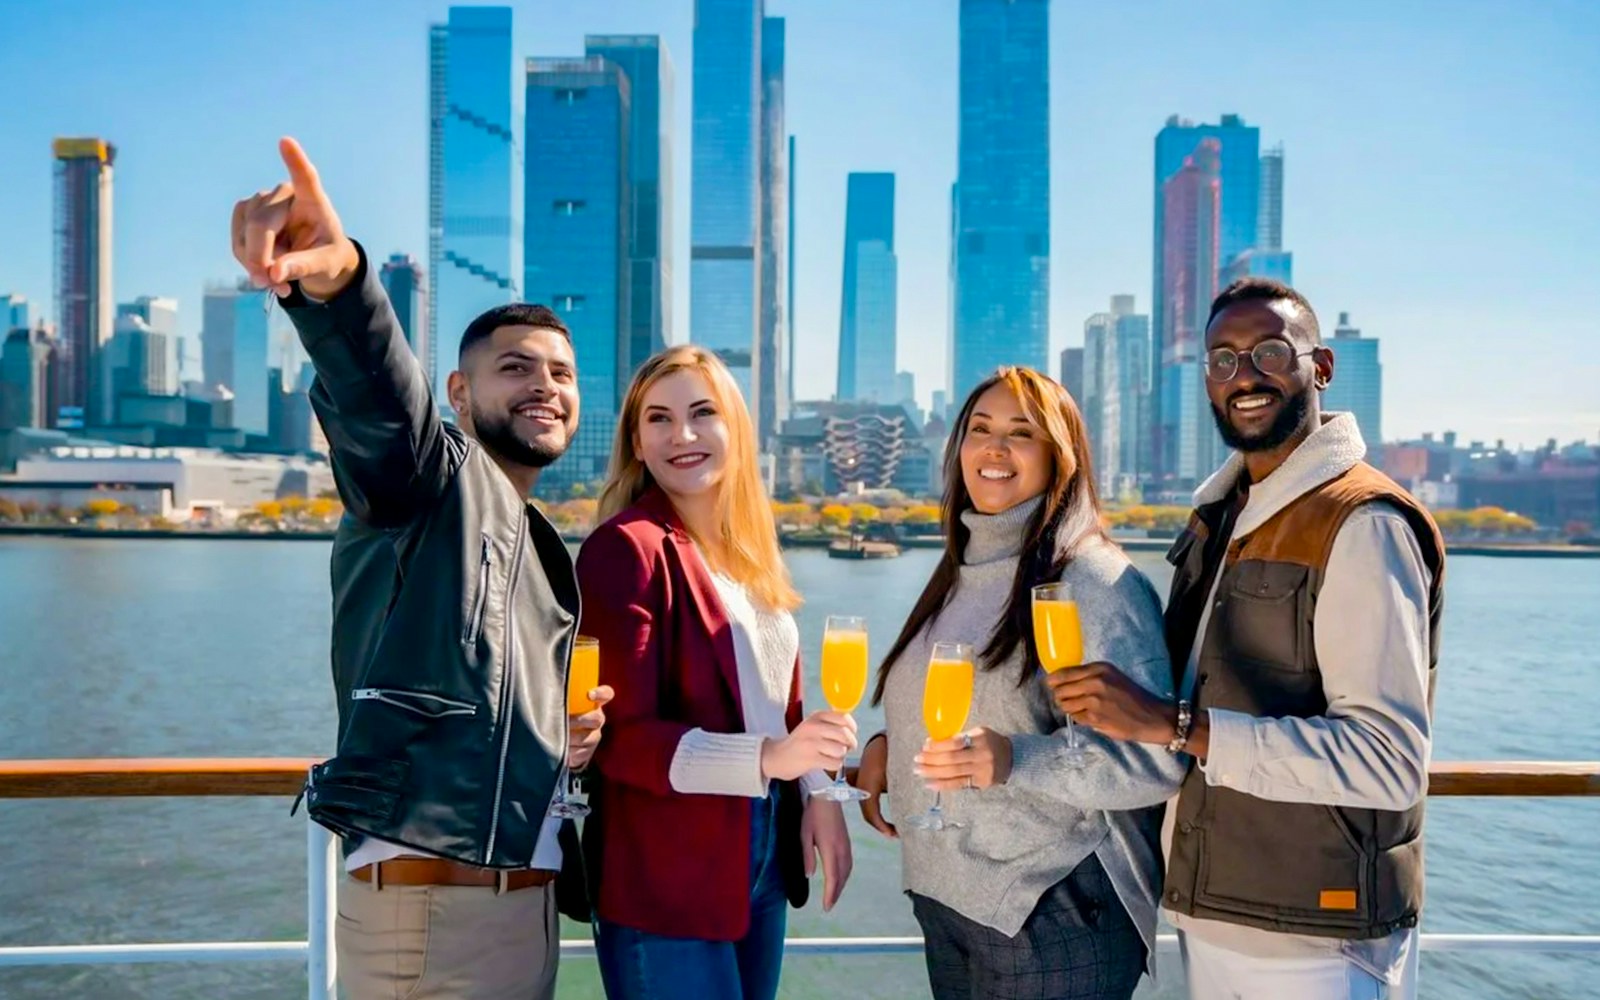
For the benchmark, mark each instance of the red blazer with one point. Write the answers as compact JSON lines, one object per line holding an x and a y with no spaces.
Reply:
{"x":658,"y":860}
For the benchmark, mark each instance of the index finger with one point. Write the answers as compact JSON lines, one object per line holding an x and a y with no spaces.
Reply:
{"x":301,"y":172}
{"x":602,"y":694}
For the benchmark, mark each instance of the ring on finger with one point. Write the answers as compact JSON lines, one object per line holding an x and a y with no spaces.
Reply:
{"x":966,"y":741}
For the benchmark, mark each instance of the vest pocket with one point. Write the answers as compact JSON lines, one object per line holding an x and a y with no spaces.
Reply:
{"x":1282,"y":861}
{"x":1262,"y":615}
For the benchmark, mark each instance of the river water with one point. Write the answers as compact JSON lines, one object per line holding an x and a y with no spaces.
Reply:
{"x":216,"y":648}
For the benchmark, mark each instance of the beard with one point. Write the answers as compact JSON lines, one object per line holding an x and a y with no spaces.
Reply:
{"x":495,"y":433}
{"x":1282,"y":428}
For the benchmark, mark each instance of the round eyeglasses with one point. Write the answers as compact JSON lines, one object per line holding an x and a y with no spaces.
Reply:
{"x":1271,"y":357}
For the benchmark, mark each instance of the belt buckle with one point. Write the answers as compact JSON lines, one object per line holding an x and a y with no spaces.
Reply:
{"x":377,"y":876}
{"x":502,"y":882}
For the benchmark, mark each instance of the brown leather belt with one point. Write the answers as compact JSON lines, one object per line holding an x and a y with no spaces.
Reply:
{"x":438,"y":871}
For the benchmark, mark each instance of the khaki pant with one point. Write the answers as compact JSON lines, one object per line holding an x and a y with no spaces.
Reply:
{"x":446,"y":942}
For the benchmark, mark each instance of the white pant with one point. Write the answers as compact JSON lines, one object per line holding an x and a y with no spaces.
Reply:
{"x":1218,"y":974}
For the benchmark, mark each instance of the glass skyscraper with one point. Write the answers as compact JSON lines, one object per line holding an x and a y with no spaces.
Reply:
{"x":867,"y":301}
{"x":1357,"y":385}
{"x":15,"y":313}
{"x":789,"y":313}
{"x":1190,"y":208}
{"x":771,"y":404}
{"x":252,"y":362}
{"x":472,"y":222}
{"x":724,"y":225}
{"x":83,"y":276}
{"x":1239,"y":176}
{"x":576,"y":258}
{"x":645,"y":62}
{"x":1002,"y":215}
{"x":142,"y":357}
{"x":407,"y":288}
{"x":1116,"y":377}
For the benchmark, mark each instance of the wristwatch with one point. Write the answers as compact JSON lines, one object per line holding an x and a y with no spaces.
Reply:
{"x":1180,"y":739}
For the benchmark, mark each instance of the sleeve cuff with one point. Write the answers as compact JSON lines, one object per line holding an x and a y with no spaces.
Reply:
{"x":812,"y":781}
{"x":718,"y":764}
{"x":1231,"y":757}
{"x":1035,"y":761}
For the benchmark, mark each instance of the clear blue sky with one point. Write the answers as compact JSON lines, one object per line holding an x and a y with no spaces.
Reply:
{"x":1443,"y":177}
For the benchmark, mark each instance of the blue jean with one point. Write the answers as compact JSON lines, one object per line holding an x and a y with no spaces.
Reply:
{"x":636,"y":965}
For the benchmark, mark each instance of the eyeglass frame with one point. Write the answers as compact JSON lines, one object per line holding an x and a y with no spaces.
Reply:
{"x":1251,"y":354}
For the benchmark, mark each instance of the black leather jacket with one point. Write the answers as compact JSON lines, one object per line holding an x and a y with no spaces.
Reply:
{"x":454,"y":609}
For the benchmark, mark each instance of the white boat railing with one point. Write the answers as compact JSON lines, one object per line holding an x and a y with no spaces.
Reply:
{"x":282,"y":776}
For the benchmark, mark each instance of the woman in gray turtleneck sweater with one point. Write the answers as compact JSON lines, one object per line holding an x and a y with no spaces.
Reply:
{"x":1050,"y":886}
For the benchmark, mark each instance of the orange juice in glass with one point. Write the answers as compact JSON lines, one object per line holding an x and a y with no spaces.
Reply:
{"x":946,"y":700}
{"x":844,"y":681}
{"x":583,"y":676}
{"x":1058,"y":634}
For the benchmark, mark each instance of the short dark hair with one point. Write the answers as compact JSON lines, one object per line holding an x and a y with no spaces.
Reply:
{"x":1257,"y":289}
{"x":511,"y":314}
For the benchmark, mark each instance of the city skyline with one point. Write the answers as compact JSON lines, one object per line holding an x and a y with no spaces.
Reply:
{"x":1374,"y":230}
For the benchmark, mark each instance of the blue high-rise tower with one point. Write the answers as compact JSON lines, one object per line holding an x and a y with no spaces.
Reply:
{"x":867,"y":302}
{"x":473,"y":233}
{"x":1002,"y":212}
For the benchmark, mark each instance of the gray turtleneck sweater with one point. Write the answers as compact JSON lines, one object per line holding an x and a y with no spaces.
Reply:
{"x":1024,"y":836}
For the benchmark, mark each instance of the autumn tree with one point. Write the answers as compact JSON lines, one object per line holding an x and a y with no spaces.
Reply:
{"x":101,"y":508}
{"x":836,"y":515}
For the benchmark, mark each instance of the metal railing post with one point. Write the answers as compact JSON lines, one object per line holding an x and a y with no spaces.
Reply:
{"x":322,"y":856}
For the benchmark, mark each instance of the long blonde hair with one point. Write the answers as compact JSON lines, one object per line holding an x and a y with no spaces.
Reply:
{"x":747,"y":549}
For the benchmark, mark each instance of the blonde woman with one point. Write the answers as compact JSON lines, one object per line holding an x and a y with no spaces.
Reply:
{"x":702,"y":830}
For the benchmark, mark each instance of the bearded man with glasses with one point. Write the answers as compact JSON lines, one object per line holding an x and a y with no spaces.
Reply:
{"x":1303,"y":626}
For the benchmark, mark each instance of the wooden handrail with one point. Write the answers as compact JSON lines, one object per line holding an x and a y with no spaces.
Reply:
{"x":270,"y":776}
{"x":1532,"y":778}
{"x":159,"y":776}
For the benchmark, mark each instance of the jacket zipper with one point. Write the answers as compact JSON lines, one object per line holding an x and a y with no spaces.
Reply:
{"x":480,"y":603}
{"x":509,"y":670}
{"x":397,"y":698}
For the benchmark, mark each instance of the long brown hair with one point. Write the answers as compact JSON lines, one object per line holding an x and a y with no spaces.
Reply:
{"x":747,"y":546}
{"x":1069,"y":515}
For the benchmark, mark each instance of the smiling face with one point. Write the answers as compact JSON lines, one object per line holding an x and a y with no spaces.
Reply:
{"x":1005,"y":458}
{"x":517,"y":393}
{"x":1256,"y":410}
{"x":682,"y":436}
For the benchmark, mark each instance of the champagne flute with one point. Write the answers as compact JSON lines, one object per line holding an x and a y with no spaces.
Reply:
{"x":1058,"y":633}
{"x":946,"y":700}
{"x":583,"y":676}
{"x":844,"y":681}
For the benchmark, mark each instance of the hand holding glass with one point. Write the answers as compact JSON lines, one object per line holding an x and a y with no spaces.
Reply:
{"x":583,"y":676}
{"x":1058,"y":634}
{"x":946,"y":700}
{"x":844,"y":681}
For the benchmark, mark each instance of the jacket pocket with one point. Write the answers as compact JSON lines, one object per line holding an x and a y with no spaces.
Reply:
{"x":480,"y":598}
{"x":352,"y":793}
{"x":1287,"y":861}
{"x":432,"y":706}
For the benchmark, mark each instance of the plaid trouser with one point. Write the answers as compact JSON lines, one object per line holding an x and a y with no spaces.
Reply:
{"x":1077,"y":944}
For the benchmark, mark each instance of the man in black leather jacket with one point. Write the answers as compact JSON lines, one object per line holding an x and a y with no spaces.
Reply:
{"x":454,"y":612}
